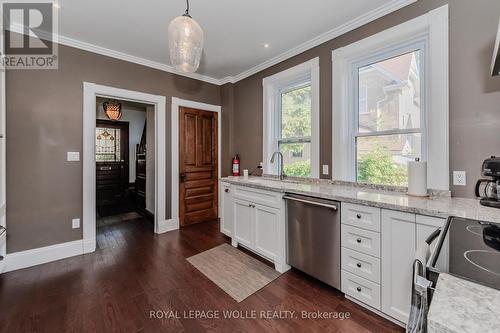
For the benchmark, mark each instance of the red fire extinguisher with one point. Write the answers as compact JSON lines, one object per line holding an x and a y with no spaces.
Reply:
{"x":236,"y":165}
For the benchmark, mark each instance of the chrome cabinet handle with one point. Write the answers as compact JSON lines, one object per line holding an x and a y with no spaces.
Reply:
{"x":358,"y":264}
{"x":105,"y":168}
{"x":358,"y":240}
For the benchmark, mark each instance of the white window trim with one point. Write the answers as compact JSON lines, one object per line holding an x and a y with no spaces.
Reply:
{"x":271,"y":86}
{"x":434,"y":27}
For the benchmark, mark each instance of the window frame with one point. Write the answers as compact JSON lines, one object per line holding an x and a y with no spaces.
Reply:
{"x":434,"y":26}
{"x":274,"y":86}
{"x":299,"y":84}
{"x":418,"y":44}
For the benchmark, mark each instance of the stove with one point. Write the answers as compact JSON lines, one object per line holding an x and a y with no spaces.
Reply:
{"x":469,"y":249}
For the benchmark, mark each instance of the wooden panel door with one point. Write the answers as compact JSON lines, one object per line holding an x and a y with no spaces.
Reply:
{"x":198,"y":156}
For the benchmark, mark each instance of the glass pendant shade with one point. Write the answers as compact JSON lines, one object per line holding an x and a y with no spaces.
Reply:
{"x":112,"y":109}
{"x":185,"y":41}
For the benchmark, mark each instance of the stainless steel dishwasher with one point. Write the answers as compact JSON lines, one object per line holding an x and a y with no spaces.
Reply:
{"x":313,"y":237}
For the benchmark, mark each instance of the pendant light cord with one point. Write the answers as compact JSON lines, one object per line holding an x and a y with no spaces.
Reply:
{"x":187,"y":9}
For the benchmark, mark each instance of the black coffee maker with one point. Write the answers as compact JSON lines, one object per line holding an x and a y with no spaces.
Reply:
{"x":489,"y":189}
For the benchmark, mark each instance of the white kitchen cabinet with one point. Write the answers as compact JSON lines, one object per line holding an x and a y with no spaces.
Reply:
{"x":255,"y":219}
{"x":266,"y":230}
{"x":244,"y":226}
{"x":398,"y":237}
{"x":226,"y":210}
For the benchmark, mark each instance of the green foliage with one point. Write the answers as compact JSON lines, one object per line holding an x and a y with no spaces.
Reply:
{"x":298,"y":169}
{"x":296,"y":116}
{"x":377,"y":167}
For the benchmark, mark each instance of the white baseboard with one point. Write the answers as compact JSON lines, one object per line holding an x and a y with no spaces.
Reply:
{"x":42,"y":255}
{"x":167,"y":225}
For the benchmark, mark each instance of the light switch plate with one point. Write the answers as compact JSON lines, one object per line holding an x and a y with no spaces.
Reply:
{"x":325,"y":169}
{"x":73,"y":156}
{"x":459,"y":178}
{"x":75,"y":223}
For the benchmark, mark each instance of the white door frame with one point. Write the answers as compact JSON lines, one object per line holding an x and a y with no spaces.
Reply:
{"x":177,"y":103}
{"x":90,"y":92}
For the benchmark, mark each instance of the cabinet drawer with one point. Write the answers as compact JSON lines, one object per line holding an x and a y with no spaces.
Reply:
{"x":361,"y":289}
{"x":361,"y":264}
{"x":361,"y":240}
{"x":266,"y":198}
{"x":361,"y":216}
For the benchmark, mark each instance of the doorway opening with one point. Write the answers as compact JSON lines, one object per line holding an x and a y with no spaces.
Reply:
{"x":117,"y":173}
{"x":124,"y":155}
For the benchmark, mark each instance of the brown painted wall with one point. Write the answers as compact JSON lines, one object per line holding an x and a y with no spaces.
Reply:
{"x":474,"y":94}
{"x":44,"y":121}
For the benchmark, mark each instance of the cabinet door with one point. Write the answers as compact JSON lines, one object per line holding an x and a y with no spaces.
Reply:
{"x":266,"y":230}
{"x":226,"y":218}
{"x":398,"y":252}
{"x":243,"y":218}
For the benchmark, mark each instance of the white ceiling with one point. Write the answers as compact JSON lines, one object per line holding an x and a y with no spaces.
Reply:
{"x":235,"y":30}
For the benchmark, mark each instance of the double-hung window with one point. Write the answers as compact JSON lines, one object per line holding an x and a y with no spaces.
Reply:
{"x":294,"y":128}
{"x":388,"y":121}
{"x":390,"y":104}
{"x":291,"y":120}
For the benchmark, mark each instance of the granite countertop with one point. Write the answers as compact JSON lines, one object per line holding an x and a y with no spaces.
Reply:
{"x":461,"y":306}
{"x":439,"y":206}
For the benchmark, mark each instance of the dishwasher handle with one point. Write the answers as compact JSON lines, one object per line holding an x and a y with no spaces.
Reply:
{"x":315,"y":203}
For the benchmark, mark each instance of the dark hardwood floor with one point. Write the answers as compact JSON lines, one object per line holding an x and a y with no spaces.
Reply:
{"x":135,"y":271}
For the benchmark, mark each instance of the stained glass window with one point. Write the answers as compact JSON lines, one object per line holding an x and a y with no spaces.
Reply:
{"x":107,"y":144}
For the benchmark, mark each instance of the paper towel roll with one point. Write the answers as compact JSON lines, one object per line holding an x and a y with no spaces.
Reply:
{"x":417,"y":178}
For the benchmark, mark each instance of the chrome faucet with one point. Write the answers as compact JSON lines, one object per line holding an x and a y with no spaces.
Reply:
{"x":281,"y":172}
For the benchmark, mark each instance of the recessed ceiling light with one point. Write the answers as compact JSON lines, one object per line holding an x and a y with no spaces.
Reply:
{"x":267,"y":45}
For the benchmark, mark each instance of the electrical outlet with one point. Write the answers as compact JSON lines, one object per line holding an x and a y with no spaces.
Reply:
{"x":75,"y":223}
{"x":459,"y":178}
{"x":325,"y":169}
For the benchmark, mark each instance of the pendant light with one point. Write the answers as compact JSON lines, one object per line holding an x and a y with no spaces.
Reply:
{"x":185,"y":41}
{"x":112,"y":109}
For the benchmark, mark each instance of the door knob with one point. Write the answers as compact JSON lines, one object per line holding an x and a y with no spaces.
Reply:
{"x":226,"y":190}
{"x":359,"y":265}
{"x":182,"y":177}
{"x":358,"y":240}
{"x":358,"y":216}
{"x":358,"y":289}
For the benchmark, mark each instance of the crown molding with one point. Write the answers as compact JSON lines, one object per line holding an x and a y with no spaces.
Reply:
{"x":338,"y":31}
{"x":329,"y":35}
{"x":71,"y":42}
